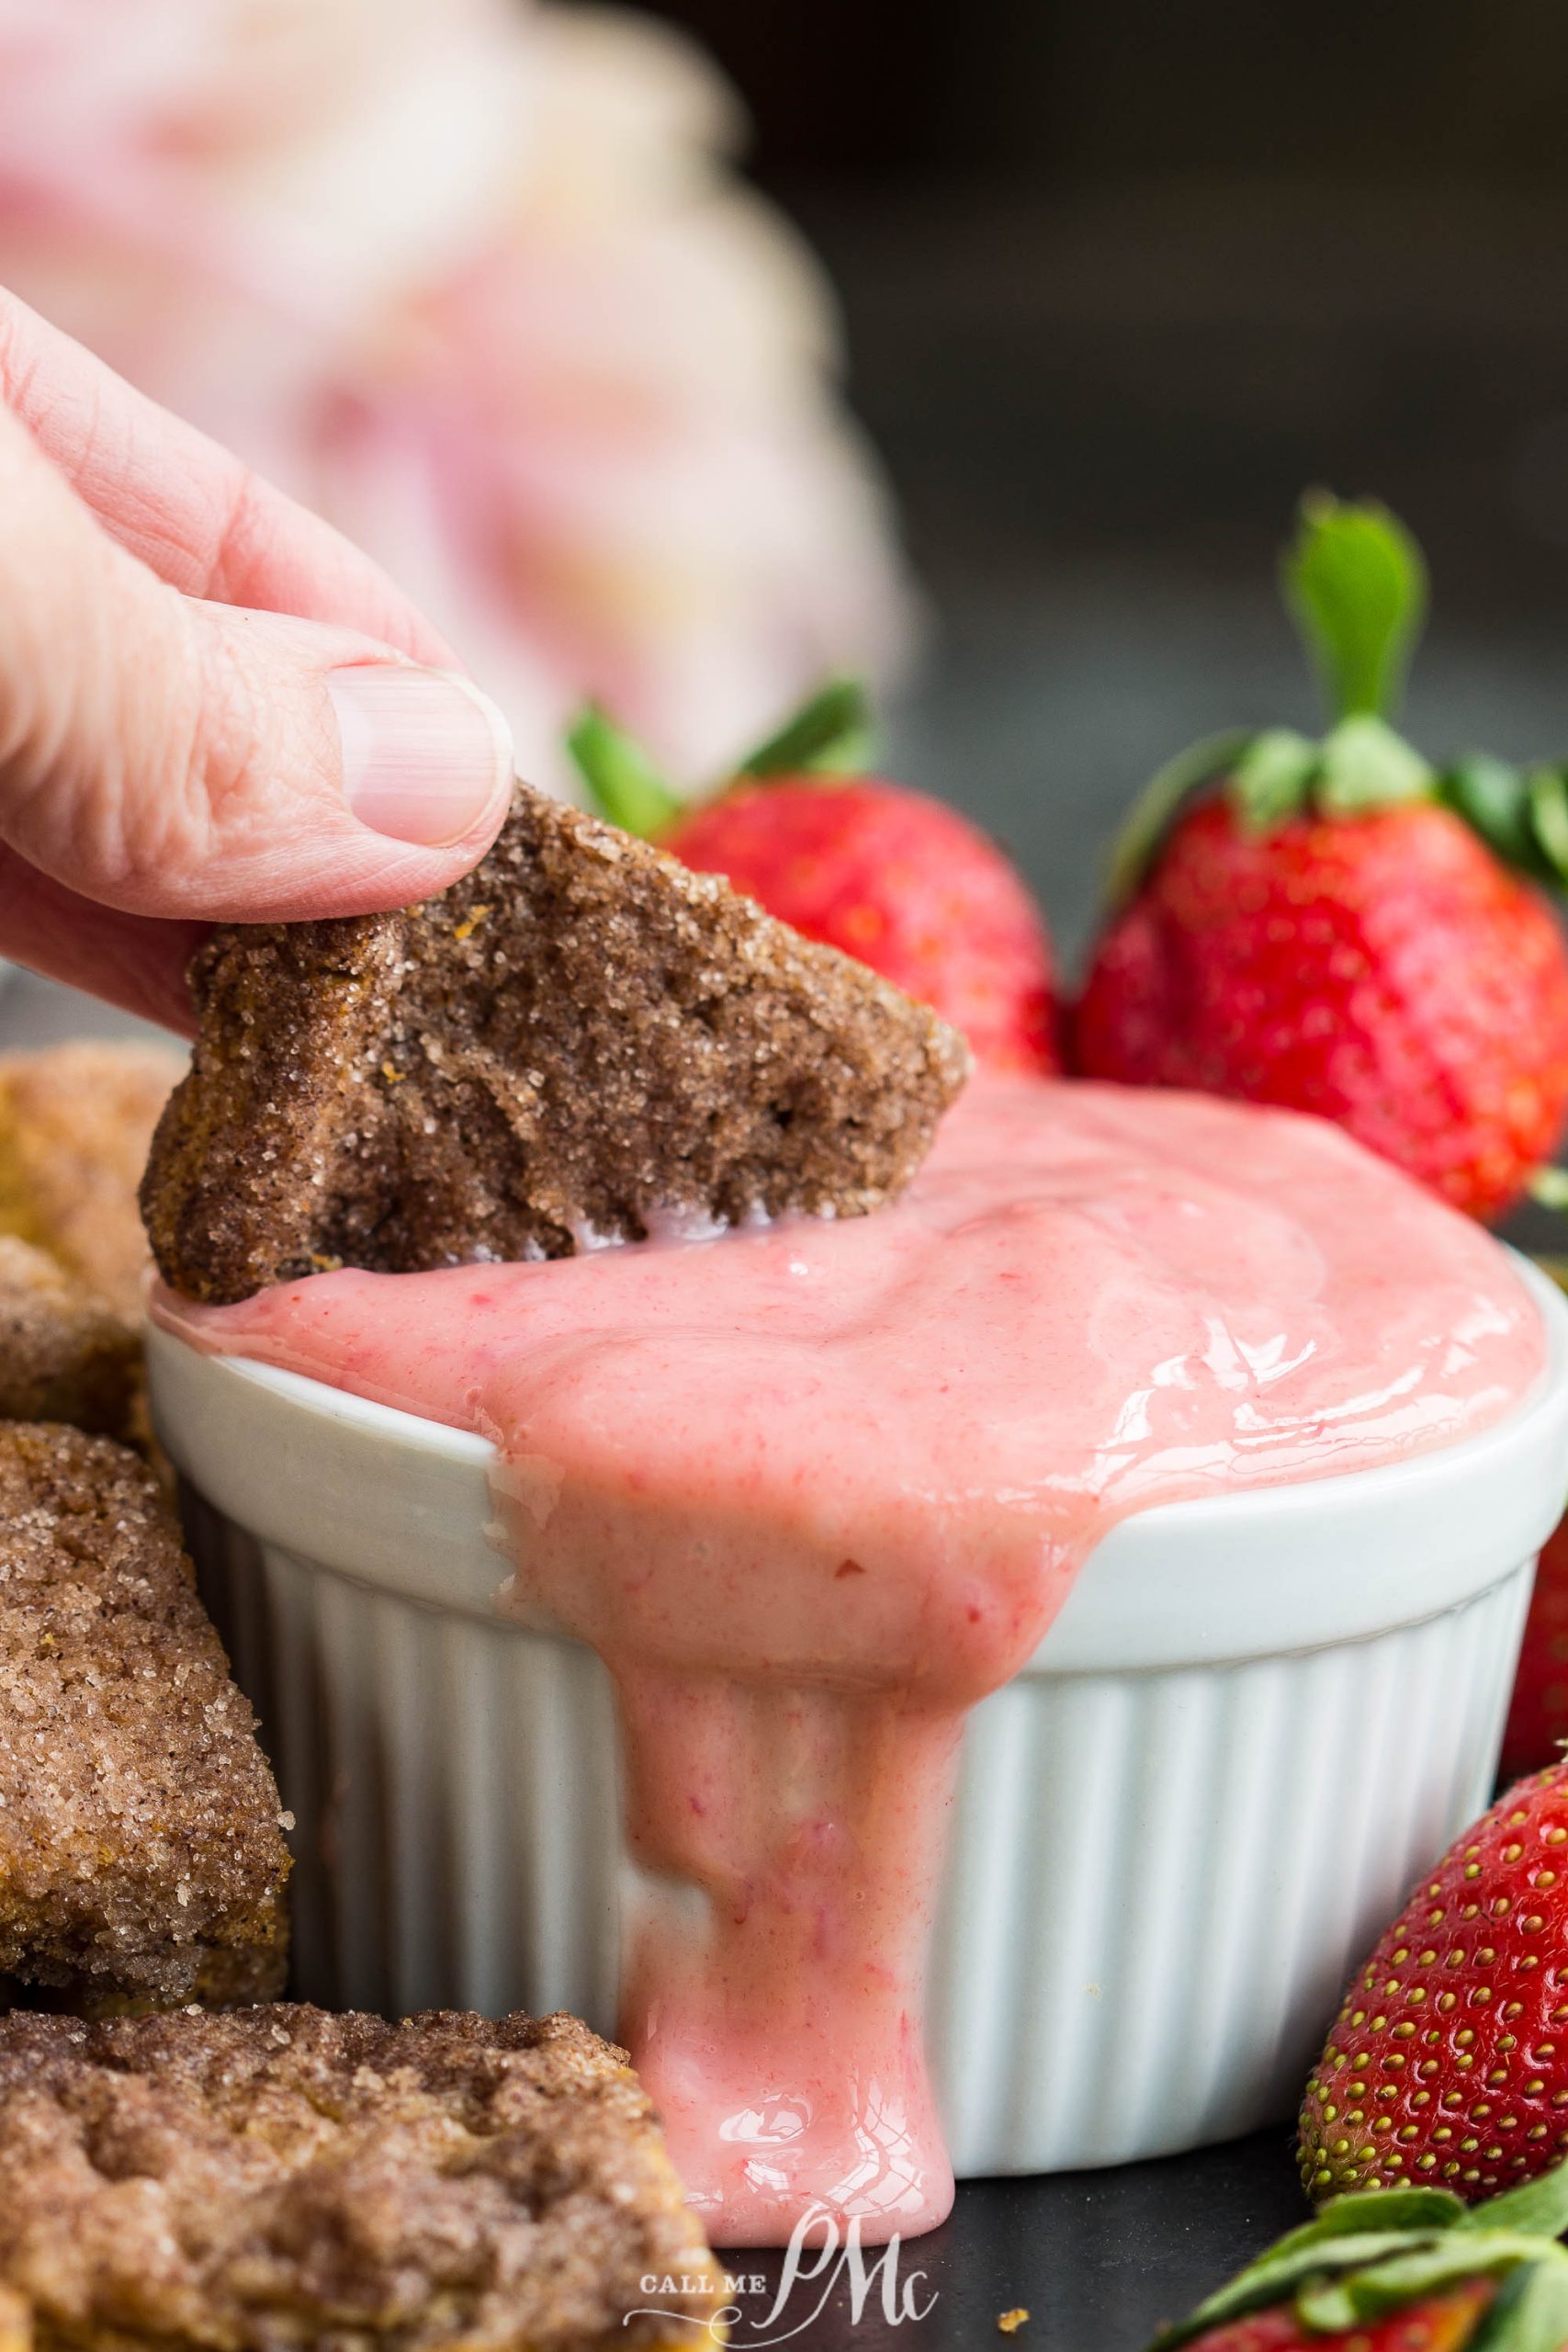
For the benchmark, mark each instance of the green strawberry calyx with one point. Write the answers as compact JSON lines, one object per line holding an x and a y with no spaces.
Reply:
{"x":622,"y":782}
{"x":1376,"y":2251}
{"x":1355,"y":581}
{"x":831,"y":734}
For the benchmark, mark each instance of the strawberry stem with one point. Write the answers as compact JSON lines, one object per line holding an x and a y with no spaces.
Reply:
{"x":622,"y":783}
{"x":1379,"y":2251}
{"x":1547,"y":789}
{"x":1538,"y":2208}
{"x":1271,"y":778}
{"x":1528,"y":2313}
{"x":1356,"y":581}
{"x":1160,"y":802}
{"x":1521,"y":813}
{"x":1365,"y":766}
{"x":831,"y":734}
{"x":1548,"y":1187}
{"x":1493,"y":796}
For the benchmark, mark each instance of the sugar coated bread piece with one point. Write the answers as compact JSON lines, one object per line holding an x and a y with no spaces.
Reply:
{"x":65,"y":1355}
{"x":140,"y":1857}
{"x":279,"y":2177}
{"x":581,"y":1041}
{"x":75,"y":1122}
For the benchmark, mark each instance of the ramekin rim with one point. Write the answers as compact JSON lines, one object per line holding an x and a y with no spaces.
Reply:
{"x":467,"y":1448}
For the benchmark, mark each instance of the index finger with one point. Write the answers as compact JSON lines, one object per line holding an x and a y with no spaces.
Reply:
{"x":190,"y":509}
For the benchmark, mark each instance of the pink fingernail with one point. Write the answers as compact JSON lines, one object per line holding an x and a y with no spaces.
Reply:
{"x":425,"y":754}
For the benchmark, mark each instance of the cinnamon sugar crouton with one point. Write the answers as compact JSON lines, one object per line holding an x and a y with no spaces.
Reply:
{"x":75,"y":1122}
{"x":65,"y":1355}
{"x":277,"y":2179}
{"x":141,"y":1858}
{"x":580,"y":1041}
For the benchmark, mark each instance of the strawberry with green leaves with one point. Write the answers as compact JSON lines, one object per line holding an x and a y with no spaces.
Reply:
{"x":891,"y":876}
{"x":1334,"y":925}
{"x":1448,"y":2062}
{"x":1400,"y":2270}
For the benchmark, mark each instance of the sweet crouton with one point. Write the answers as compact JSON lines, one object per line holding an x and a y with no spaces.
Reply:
{"x":278,"y":2177}
{"x":141,"y":1857}
{"x":582,"y":1041}
{"x":75,"y":1122}
{"x":65,"y":1355}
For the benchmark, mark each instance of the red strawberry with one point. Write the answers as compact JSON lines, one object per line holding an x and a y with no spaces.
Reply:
{"x":884,"y":873}
{"x":1400,"y":2270}
{"x":1384,"y":970}
{"x":1448,"y":2060}
{"x":1329,"y":926}
{"x":1537,"y":1728}
{"x":1538,"y":1714}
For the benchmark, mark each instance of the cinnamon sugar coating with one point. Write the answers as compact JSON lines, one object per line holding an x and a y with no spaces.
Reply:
{"x":277,"y":2179}
{"x":578,"y":1040}
{"x":65,"y":1355}
{"x":141,"y":1857}
{"x":75,"y":1122}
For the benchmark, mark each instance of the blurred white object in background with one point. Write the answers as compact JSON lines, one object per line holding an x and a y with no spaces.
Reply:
{"x":473,"y":278}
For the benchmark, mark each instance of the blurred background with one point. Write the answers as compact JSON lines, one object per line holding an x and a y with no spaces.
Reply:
{"x":1120,"y":278}
{"x":683,"y":353}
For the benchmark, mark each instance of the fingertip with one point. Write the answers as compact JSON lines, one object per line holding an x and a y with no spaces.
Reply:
{"x":427,"y":757}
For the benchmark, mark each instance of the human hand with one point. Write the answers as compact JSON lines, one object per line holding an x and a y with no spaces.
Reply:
{"x":213,"y":707}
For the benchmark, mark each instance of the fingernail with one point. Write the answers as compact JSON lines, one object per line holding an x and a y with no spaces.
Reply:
{"x":425,"y":754}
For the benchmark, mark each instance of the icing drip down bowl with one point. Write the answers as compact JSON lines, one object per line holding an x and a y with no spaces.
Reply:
{"x":953,"y":1691}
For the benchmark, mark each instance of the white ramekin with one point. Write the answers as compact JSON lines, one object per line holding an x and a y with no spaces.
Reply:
{"x":1255,"y":1722}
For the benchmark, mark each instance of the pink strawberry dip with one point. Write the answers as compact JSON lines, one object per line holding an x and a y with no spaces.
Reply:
{"x":812,"y":1490}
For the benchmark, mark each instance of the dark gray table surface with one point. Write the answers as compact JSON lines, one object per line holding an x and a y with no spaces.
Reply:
{"x":1096,"y":2258}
